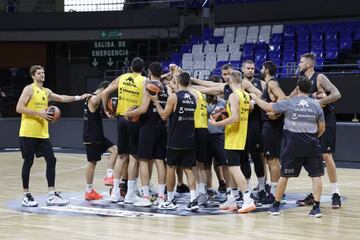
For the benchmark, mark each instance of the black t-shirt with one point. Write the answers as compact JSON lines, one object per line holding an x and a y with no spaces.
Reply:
{"x":93,"y":127}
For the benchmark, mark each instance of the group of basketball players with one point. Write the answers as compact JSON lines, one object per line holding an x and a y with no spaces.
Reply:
{"x":177,"y":132}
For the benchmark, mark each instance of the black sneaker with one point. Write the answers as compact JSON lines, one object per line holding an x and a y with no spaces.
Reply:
{"x":308,"y":201}
{"x":222,"y":187}
{"x":183,"y":188}
{"x":262,"y":195}
{"x":315,"y":212}
{"x":211,"y":192}
{"x":239,"y":198}
{"x":193,"y":206}
{"x":274,"y":211}
{"x":268,"y":188}
{"x":269,"y":199}
{"x":336,"y":201}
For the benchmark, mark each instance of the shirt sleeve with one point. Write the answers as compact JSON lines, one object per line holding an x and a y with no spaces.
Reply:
{"x":321,"y":113}
{"x":282,"y":106}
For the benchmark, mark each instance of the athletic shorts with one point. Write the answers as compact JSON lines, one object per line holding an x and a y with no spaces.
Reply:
{"x":40,"y":147}
{"x":291,"y":166}
{"x":234,"y":157}
{"x":185,"y":158}
{"x":152,"y":142}
{"x":95,"y":150}
{"x":272,"y":140}
{"x":201,"y":135}
{"x":216,"y":149}
{"x":128,"y":136}
{"x":328,"y":139}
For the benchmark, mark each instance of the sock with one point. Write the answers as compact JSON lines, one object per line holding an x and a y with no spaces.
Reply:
{"x":316,"y":204}
{"x":26,"y":193}
{"x":192,"y":195}
{"x":261,"y":181}
{"x":228,"y":189}
{"x":116,"y":184}
{"x":109,"y":172}
{"x":52,"y":192}
{"x":273,"y":188}
{"x":335,"y":188}
{"x":131,"y":188}
{"x":201,"y":188}
{"x":170,"y":196}
{"x":246,"y":195}
{"x":248,"y":183}
{"x":89,"y":187}
{"x":146,"y":191}
{"x":137,"y":180}
{"x":234,"y":192}
{"x":276,"y":204}
{"x":161,"y":189}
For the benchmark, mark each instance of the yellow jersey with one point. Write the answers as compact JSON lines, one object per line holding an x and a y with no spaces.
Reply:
{"x":235,"y":133}
{"x":201,"y":116}
{"x":130,"y":91}
{"x":35,"y":126}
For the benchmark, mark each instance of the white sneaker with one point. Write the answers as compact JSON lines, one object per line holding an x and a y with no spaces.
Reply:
{"x":116,"y":197}
{"x":248,"y":206}
{"x":29,"y":201}
{"x":167,"y":206}
{"x":132,"y":199}
{"x":229,"y":204}
{"x":143,"y":202}
{"x":56,"y":200}
{"x":159,"y":200}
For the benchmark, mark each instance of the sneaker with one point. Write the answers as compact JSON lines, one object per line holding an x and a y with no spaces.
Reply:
{"x":109,"y":181}
{"x":93,"y":195}
{"x":222,"y":187}
{"x":123,"y":189}
{"x":202,"y":198}
{"x":269,"y":199}
{"x":248,"y":206}
{"x":167,"y":205}
{"x":115,"y":197}
{"x":274,"y":211}
{"x":29,"y":201}
{"x":315,"y":212}
{"x":159,"y":200}
{"x":229,"y":204}
{"x":267,"y":188}
{"x":262,"y":196}
{"x":336,"y":201}
{"x":183,"y":188}
{"x":56,"y":200}
{"x":211,"y":193}
{"x":193,"y":206}
{"x":283,"y":199}
{"x":132,"y":199}
{"x":307,"y":201}
{"x":143,"y":202}
{"x":239,"y":198}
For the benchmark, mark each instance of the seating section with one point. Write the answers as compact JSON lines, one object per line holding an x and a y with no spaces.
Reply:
{"x":283,"y":44}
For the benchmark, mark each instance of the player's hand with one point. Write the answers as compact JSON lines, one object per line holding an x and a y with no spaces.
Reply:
{"x":153,"y":98}
{"x":107,"y":113}
{"x":85,"y":95}
{"x":253,"y":96}
{"x":127,"y":116}
{"x":272,"y":115}
{"x":45,"y":114}
{"x":212,"y":121}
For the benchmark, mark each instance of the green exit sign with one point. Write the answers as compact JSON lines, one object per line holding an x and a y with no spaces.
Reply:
{"x":107,"y":34}
{"x":108,"y":53}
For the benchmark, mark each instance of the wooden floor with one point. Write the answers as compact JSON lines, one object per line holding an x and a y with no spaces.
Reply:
{"x":291,"y":224}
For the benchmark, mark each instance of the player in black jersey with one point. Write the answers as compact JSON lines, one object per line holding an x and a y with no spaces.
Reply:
{"x":180,"y":110}
{"x":152,"y":138}
{"x":320,"y":83}
{"x":95,"y":142}
{"x":272,"y":125}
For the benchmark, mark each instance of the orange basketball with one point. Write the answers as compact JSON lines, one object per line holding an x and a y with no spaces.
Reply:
{"x":111,"y":105}
{"x":154,"y":87}
{"x":55,"y":112}
{"x":220,"y":115}
{"x":134,"y":118}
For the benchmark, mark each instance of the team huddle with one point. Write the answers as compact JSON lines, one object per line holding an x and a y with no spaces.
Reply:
{"x":182,"y":124}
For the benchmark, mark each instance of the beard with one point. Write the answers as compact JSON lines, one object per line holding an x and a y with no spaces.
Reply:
{"x":262,"y":76}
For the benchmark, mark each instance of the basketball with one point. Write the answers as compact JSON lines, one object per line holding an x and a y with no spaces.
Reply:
{"x":111,"y":105}
{"x":154,"y":87}
{"x":220,"y":115}
{"x":55,"y":112}
{"x":134,"y":118}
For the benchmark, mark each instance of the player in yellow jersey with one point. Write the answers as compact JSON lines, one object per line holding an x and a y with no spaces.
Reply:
{"x":238,"y":106}
{"x":34,"y":133}
{"x":130,"y":88}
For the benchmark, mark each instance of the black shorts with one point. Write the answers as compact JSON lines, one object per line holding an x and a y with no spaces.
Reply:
{"x":128,"y":136}
{"x":216,"y":149}
{"x":254,"y":141}
{"x":152,"y":142}
{"x":40,"y":147}
{"x":185,"y":158}
{"x":272,"y":140}
{"x":291,"y":166}
{"x":95,"y":150}
{"x":234,"y":157}
{"x":201,"y":135}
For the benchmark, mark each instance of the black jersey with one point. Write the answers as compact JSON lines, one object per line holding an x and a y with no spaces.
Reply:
{"x":266,"y":97}
{"x":227,"y":91}
{"x":256,"y":112}
{"x":151,"y":116}
{"x":181,"y":133}
{"x":93,"y":128}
